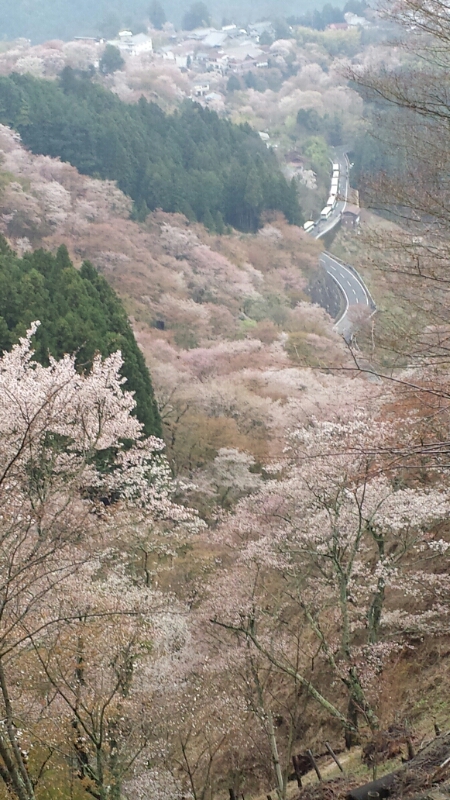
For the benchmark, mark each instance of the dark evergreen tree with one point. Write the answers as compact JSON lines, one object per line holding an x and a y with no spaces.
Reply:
{"x":208,"y":221}
{"x":281,"y":28}
{"x":309,"y":119}
{"x":79,"y":313}
{"x":233,"y":84}
{"x":266,"y":38}
{"x":111,"y":60}
{"x":157,"y":15}
{"x":197,"y":16}
{"x":191,"y":161}
{"x":356,"y":7}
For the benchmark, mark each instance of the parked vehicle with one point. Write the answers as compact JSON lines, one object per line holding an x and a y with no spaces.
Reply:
{"x":326,"y":212}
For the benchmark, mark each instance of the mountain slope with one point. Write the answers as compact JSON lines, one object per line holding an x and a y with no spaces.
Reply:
{"x":192,"y":161}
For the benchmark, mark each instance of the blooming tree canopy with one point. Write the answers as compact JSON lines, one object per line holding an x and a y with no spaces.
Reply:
{"x":74,"y":469}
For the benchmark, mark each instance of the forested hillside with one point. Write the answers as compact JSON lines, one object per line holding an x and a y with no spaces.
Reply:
{"x":191,"y":162}
{"x":377,"y":150}
{"x":268,"y":582}
{"x":205,"y":308}
{"x":79,"y":314}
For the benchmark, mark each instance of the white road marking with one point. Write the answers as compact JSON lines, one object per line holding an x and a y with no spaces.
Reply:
{"x":337,"y":266}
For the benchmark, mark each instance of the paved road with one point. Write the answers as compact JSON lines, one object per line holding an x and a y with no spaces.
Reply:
{"x":323,"y":226}
{"x":351,"y":285}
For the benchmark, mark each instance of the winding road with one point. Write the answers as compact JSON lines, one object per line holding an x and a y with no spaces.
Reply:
{"x":324,"y":226}
{"x":352,"y":287}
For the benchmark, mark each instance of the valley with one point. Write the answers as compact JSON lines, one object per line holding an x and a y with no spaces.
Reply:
{"x":224,"y":494}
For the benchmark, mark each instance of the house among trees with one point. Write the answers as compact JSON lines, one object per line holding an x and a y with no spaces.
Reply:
{"x":356,"y":21}
{"x":132,"y":45}
{"x":259,"y":28}
{"x":201,"y":90}
{"x":351,"y":217}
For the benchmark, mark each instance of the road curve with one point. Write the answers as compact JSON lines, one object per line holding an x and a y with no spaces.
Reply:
{"x":353,"y":290}
{"x":351,"y":285}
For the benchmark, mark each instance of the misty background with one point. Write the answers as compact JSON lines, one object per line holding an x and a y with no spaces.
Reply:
{"x":41,"y":20}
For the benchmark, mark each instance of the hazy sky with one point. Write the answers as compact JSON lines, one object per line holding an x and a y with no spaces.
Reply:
{"x":40,"y":20}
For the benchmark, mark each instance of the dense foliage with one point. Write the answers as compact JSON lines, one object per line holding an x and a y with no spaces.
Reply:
{"x":111,"y":60}
{"x":191,"y":162}
{"x":157,"y":15}
{"x":197,"y":16}
{"x":328,"y":15}
{"x":377,"y":149}
{"x":79,"y":313}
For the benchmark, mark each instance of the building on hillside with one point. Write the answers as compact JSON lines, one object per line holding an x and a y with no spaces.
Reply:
{"x":351,"y":217}
{"x":200,"y":90}
{"x":140,"y":44}
{"x":355,"y":21}
{"x":132,"y":45}
{"x":258,"y":28}
{"x":244,"y":56}
{"x":215,"y":39}
{"x":213,"y":97}
{"x":166,"y":53}
{"x":216,"y":61}
{"x":200,"y":33}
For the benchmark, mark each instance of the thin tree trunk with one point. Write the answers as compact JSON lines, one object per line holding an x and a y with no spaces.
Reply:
{"x":376,"y":606}
{"x":275,"y":756}
{"x":14,"y":764}
{"x":351,"y":734}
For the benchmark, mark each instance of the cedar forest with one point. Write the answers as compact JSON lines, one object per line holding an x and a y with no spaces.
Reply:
{"x":191,"y":162}
{"x":224,"y":526}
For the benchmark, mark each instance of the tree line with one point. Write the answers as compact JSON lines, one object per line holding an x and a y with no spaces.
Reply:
{"x":328,"y":15}
{"x":377,"y":149}
{"x":191,"y":162}
{"x":79,"y":314}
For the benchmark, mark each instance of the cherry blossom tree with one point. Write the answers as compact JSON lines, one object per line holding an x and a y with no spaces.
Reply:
{"x":332,"y":542}
{"x":73,"y":465}
{"x":410,"y":110}
{"x":94,"y":671}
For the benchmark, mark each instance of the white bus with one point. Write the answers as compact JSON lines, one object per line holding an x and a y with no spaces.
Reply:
{"x":309,"y":225}
{"x":334,"y":184}
{"x":335,"y":167}
{"x":325,"y":213}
